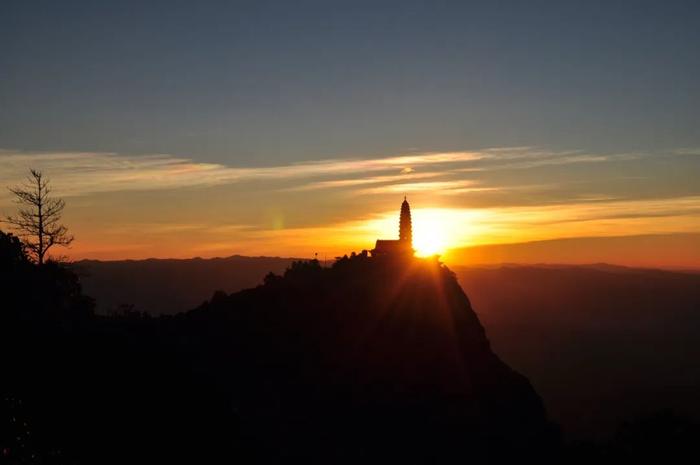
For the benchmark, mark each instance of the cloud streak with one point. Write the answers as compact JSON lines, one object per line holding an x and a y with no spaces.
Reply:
{"x":82,"y":173}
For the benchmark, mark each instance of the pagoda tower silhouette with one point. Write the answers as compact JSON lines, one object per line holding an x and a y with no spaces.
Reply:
{"x":403,"y":246}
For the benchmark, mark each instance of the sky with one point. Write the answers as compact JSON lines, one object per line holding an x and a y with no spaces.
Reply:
{"x":180,"y":129}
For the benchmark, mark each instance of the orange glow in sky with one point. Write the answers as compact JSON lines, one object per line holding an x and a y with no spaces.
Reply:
{"x":121,"y":206}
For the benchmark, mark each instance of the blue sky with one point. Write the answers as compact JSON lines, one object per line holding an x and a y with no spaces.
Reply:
{"x":297,"y":127}
{"x":260,"y":83}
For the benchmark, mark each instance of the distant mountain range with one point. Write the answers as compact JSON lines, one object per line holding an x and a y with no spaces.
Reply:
{"x":167,"y":286}
{"x":600,"y":343}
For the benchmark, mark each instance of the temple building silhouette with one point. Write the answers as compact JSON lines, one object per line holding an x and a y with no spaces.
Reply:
{"x":403,"y":246}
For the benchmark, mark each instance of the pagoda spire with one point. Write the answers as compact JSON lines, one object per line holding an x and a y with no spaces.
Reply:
{"x":405,"y":228}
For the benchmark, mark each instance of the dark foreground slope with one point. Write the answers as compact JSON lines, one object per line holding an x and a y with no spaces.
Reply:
{"x":365,"y":361}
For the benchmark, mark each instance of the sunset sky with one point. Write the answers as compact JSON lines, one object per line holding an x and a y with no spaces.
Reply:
{"x":293,"y":128}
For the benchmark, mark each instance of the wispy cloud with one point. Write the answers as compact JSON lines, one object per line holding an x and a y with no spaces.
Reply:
{"x":87,"y":172}
{"x":435,"y":186}
{"x":687,"y":151}
{"x":81,"y":173}
{"x":353,"y":182}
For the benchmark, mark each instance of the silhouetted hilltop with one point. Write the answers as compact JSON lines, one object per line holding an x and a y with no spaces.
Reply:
{"x":369,"y":358}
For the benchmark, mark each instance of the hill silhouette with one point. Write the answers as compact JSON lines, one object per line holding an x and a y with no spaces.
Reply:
{"x":367,"y":360}
{"x":382,"y":358}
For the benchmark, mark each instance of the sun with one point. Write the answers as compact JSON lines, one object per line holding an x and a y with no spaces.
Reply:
{"x":430,"y":233}
{"x":428,"y":241}
{"x":436,"y":231}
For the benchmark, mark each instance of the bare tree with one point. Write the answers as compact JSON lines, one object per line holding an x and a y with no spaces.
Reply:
{"x":38,"y":218}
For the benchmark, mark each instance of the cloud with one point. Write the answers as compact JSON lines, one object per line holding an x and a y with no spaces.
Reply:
{"x":535,"y":160}
{"x":433,"y":186}
{"x":687,"y":151}
{"x":81,"y":173}
{"x":353,"y":182}
{"x":595,"y":218}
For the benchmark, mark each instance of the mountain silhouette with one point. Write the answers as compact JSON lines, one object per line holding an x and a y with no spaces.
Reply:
{"x":370,"y":358}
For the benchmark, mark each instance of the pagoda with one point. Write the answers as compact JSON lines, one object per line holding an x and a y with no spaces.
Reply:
{"x":403,"y":246}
